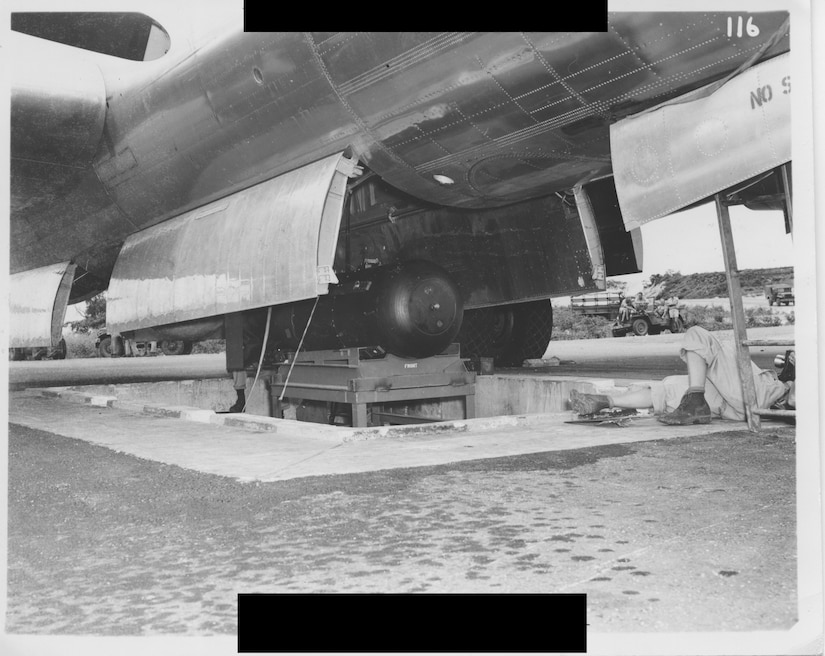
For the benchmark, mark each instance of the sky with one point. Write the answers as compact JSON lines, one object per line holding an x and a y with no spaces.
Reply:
{"x":689,"y":242}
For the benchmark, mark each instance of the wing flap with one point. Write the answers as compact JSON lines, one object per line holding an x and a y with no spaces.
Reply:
{"x":679,"y":154}
{"x":266,"y":245}
{"x":37,"y":305}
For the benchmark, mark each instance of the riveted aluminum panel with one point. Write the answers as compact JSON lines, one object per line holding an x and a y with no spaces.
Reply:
{"x":58,"y":109}
{"x":37,"y":305}
{"x":270,"y":244}
{"x":682,"y":153}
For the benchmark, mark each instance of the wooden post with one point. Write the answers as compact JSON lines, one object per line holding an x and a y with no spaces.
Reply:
{"x":788,"y":197}
{"x":743,"y":356}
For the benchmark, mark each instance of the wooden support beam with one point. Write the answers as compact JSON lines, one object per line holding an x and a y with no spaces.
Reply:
{"x":766,"y":412}
{"x":769,"y":342}
{"x":743,"y":357}
{"x":785,"y":170}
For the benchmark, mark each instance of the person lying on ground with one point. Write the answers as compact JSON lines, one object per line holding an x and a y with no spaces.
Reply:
{"x":711,"y":387}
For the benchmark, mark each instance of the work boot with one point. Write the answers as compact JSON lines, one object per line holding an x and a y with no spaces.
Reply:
{"x":240,"y":403}
{"x":588,"y":404}
{"x":693,"y":409}
{"x":789,"y":368}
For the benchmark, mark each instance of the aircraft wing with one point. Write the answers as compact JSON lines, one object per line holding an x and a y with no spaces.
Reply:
{"x":669,"y":158}
{"x":491,"y":155}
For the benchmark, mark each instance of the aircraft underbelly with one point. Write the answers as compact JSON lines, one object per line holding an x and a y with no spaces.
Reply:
{"x":462,"y":120}
{"x":502,"y":116}
{"x":270,"y":244}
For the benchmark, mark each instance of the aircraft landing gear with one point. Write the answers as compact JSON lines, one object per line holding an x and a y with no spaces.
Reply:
{"x":509,"y":334}
{"x":179,"y":347}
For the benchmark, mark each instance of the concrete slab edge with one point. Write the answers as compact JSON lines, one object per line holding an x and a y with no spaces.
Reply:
{"x":455,"y":426}
{"x":73,"y":396}
{"x":260,"y":423}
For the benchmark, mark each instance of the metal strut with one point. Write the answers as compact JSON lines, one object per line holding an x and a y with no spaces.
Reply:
{"x":298,"y":350}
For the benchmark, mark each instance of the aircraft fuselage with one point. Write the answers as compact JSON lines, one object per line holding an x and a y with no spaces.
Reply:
{"x":460,"y":119}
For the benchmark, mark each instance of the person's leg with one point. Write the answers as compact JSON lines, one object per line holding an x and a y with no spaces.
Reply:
{"x":699,"y":352}
{"x":637,"y":397}
{"x":697,"y":369}
{"x":722,"y":371}
{"x":239,"y":383}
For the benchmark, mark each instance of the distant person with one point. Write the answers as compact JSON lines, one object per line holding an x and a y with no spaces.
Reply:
{"x":661,"y":307}
{"x":711,"y":387}
{"x":677,"y":322}
{"x":625,"y":308}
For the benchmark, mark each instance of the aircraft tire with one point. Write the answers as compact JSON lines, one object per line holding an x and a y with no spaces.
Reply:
{"x":61,"y":351}
{"x":476,"y":335}
{"x":104,"y":349}
{"x":179,"y":347}
{"x":509,"y":334}
{"x":531,"y":333}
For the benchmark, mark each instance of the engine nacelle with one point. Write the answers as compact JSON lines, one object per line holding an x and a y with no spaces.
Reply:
{"x":410,"y":309}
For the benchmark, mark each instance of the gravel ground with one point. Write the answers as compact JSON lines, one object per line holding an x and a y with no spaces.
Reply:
{"x":693,"y":534}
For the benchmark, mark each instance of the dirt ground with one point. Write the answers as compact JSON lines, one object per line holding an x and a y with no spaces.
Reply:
{"x":688,"y":534}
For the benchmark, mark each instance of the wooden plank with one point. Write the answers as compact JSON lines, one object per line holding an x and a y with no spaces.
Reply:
{"x":766,"y":412}
{"x":743,"y":358}
{"x":768,"y":342}
{"x":379,"y":417}
{"x":788,"y":192}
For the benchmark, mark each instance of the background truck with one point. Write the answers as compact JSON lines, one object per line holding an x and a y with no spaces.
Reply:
{"x":603,"y":304}
{"x":780,"y":294}
{"x":642,"y":322}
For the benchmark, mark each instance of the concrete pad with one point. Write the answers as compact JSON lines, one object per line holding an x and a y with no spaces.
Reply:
{"x":495,"y":396}
{"x":240,"y":449}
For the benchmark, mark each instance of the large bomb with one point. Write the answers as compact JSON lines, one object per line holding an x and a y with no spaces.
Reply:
{"x":410,"y":309}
